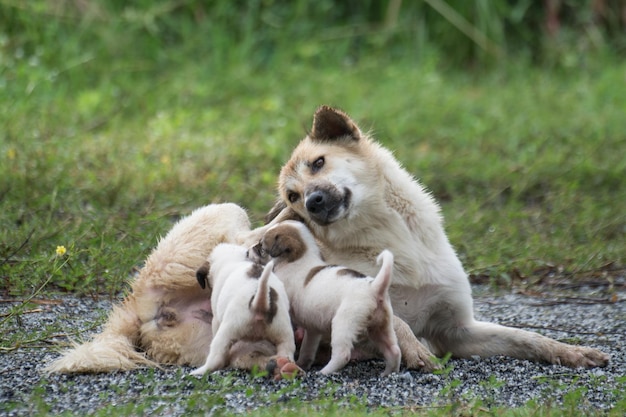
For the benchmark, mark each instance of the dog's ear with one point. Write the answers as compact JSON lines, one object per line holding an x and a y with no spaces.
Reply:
{"x":331,"y":124}
{"x":202,"y":275}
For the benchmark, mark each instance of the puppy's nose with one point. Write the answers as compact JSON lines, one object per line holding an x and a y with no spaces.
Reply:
{"x":316,"y":202}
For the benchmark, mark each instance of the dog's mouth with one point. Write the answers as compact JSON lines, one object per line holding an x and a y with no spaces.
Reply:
{"x":326,"y":206}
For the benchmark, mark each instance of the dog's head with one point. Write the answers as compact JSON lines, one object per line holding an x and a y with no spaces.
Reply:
{"x":257,"y":254}
{"x":288,"y":241}
{"x":326,"y":176}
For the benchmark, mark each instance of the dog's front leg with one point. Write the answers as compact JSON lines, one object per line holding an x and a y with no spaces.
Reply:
{"x":218,"y":356}
{"x":286,"y":348}
{"x":414,"y":354}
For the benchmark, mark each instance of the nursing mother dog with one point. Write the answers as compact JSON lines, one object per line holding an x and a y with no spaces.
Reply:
{"x":357,"y":200}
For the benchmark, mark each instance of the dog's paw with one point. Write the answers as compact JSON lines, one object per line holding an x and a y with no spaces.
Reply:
{"x":417,"y":357}
{"x":582,"y":357}
{"x":425,"y":363}
{"x":198,"y":372}
{"x":282,"y":368}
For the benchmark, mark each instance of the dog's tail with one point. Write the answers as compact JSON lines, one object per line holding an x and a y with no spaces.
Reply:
{"x":383,"y":279}
{"x":263,"y":304}
{"x":111,"y":350}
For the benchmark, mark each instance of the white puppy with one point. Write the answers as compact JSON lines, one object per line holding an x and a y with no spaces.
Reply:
{"x":329,"y":300}
{"x":249,"y":303}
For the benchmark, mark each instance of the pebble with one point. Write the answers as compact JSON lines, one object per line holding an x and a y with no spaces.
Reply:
{"x":496,"y":381}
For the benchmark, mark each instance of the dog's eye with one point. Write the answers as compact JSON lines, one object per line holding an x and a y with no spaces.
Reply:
{"x":317,"y":164}
{"x":292,"y":196}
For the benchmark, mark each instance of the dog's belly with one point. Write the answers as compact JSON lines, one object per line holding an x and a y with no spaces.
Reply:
{"x":431,"y":308}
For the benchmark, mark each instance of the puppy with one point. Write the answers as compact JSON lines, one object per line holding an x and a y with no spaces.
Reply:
{"x":332,"y":300}
{"x":249,"y":303}
{"x":357,"y":199}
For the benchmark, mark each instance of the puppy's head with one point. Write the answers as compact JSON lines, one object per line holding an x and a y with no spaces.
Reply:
{"x":257,"y":254}
{"x":326,"y":175}
{"x":287,"y":241}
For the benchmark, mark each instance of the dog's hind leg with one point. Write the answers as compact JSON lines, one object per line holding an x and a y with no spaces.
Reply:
{"x":308,"y":349}
{"x":343,"y":336}
{"x":387,"y":343}
{"x":218,"y":356}
{"x":489,"y":339}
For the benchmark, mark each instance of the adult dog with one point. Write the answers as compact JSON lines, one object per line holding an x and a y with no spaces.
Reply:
{"x":357,"y":200}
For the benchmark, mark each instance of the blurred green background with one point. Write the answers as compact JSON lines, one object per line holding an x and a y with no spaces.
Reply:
{"x":119,"y":117}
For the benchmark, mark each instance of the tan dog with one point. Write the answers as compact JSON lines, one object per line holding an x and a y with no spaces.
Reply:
{"x":357,"y":199}
{"x":249,"y":304}
{"x":167,"y":315}
{"x":332,"y":301}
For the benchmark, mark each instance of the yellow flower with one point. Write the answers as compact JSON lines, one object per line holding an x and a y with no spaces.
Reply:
{"x":61,"y":250}
{"x":11,"y":153}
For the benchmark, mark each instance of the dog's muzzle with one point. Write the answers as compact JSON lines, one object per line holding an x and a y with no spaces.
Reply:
{"x":327,"y":206}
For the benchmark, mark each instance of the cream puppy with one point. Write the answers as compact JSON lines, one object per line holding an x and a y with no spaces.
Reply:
{"x":329,"y":300}
{"x":249,"y":303}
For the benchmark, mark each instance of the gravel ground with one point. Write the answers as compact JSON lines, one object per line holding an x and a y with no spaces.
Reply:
{"x":576,"y":317}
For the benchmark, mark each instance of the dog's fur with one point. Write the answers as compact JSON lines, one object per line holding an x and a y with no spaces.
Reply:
{"x":249,"y":304}
{"x":167,"y":315}
{"x":332,"y":301}
{"x":357,"y":199}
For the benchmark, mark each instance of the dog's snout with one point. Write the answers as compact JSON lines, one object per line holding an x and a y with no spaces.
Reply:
{"x":316,"y":202}
{"x":326,"y":205}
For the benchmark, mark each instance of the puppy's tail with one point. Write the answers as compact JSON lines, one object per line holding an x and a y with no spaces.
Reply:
{"x":383,"y":279}
{"x":263,"y":302}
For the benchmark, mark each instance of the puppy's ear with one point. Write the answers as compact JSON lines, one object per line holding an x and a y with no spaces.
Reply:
{"x":330,"y":124}
{"x":280,"y":209}
{"x":202,"y":275}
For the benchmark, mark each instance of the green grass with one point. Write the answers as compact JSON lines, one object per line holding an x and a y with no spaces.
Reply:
{"x":113,"y":127}
{"x":528,"y":164}
{"x":180,"y":394}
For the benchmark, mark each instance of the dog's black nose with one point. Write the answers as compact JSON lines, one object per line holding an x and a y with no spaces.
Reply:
{"x":316,"y":202}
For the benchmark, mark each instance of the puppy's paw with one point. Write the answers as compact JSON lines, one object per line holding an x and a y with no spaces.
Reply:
{"x":282,"y":368}
{"x":198,"y":372}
